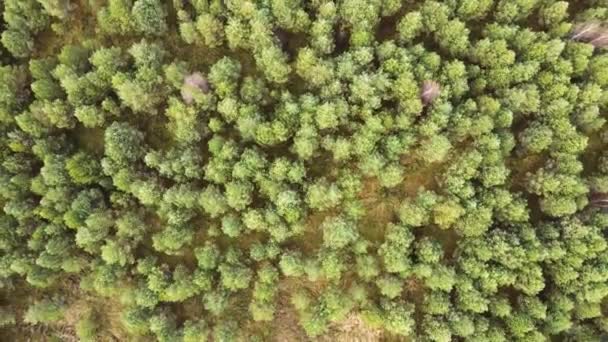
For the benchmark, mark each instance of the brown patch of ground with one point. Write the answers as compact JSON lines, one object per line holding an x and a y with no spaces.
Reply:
{"x":414,"y":290}
{"x":447,"y":237}
{"x":286,"y":327}
{"x":595,"y":147}
{"x":520,"y":167}
{"x":107,"y":312}
{"x":419,"y":176}
{"x":380,"y":206}
{"x":78,"y":23}
{"x":352,"y":329}
{"x":312,"y":238}
{"x":91,"y":139}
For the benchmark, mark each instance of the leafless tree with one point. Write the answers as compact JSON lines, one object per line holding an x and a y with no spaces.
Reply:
{"x":430,"y":91}
{"x":592,"y":33}
{"x":193,"y":82}
{"x":599,"y":200}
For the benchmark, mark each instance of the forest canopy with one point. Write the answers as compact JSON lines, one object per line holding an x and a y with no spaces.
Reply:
{"x":302,"y":170}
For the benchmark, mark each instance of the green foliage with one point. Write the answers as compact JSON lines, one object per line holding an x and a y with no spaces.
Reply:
{"x":135,"y":320}
{"x":291,"y":264}
{"x":90,"y":116}
{"x":238,"y":194}
{"x":262,"y":306}
{"x":56,"y":8}
{"x":44,"y":311}
{"x":11,"y":96}
{"x":394,"y":251}
{"x":397,"y":318}
{"x":83,"y":168}
{"x":123,"y":143}
{"x":19,"y":43}
{"x":195,"y":331}
{"x":321,"y":195}
{"x":235,"y":277}
{"x":149,"y":17}
{"x":116,"y":18}
{"x":423,"y":170}
{"x":87,"y":327}
{"x":390,"y":287}
{"x":224,"y":76}
{"x":434,"y":149}
{"x":208,"y":26}
{"x":23,"y":20}
{"x":338,"y":232}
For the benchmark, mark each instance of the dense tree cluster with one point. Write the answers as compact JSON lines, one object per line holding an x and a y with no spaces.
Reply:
{"x":437,"y":168}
